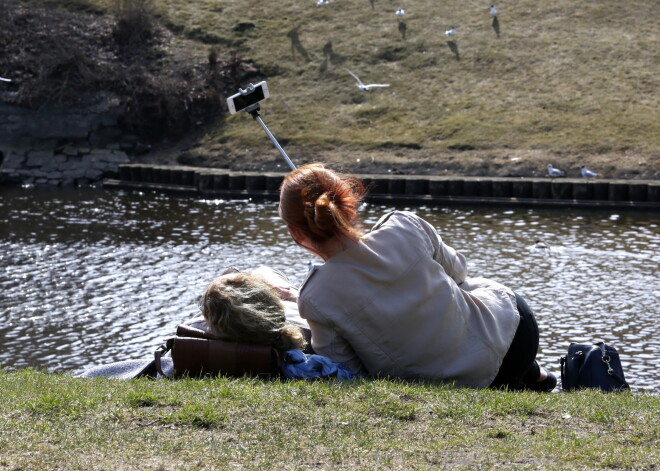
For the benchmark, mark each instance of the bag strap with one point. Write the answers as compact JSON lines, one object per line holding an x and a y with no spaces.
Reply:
{"x":610,"y":371}
{"x":574,"y":354}
{"x":162,"y":350}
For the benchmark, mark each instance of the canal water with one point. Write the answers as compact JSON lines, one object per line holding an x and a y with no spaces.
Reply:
{"x":90,"y":276}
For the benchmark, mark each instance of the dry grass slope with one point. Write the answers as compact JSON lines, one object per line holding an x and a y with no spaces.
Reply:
{"x":563,"y":82}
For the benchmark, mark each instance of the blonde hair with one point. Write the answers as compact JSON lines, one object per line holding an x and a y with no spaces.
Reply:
{"x":245,"y":309}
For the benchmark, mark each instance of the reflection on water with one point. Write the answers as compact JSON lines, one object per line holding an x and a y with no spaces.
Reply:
{"x":90,"y":276}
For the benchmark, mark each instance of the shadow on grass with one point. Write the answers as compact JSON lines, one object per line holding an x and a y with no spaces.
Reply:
{"x":453,"y":47}
{"x":296,"y":44}
{"x":402,"y":29}
{"x":333,"y":57}
{"x":496,"y":26}
{"x":330,"y":57}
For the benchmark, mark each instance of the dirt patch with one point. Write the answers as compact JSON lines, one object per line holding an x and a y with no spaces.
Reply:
{"x":56,"y":58}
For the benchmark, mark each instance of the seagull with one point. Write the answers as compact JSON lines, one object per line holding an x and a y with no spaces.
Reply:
{"x":451,"y":31}
{"x":493,"y":10}
{"x":364,"y":87}
{"x":586,"y":173}
{"x":555,"y":172}
{"x":320,"y":3}
{"x":400,"y":12}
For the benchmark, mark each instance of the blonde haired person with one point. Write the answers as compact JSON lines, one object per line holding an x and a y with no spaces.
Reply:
{"x":243,"y":308}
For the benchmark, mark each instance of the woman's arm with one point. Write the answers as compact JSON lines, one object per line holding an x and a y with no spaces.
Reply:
{"x":452,"y":261}
{"x":276,"y":279}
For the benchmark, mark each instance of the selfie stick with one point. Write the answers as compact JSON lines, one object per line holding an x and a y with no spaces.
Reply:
{"x":254,"y":111}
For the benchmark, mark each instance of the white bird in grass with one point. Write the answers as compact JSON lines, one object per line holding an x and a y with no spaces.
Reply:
{"x":555,"y":172}
{"x":451,"y":31}
{"x":493,"y":10}
{"x":586,"y":173}
{"x":320,"y":3}
{"x":400,"y":12}
{"x":364,"y":87}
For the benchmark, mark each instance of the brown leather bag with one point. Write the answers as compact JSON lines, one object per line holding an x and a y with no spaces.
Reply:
{"x":196,"y":352}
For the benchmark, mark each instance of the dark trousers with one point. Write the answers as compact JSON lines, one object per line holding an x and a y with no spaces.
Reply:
{"x":519,"y":366}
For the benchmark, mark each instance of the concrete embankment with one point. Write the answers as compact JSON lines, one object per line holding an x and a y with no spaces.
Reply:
{"x":57,"y":145}
{"x":402,"y":188}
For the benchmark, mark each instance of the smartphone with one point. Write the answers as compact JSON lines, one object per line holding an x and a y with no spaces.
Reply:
{"x":240,"y":101}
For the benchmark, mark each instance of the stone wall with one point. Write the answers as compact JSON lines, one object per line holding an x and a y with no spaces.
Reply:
{"x":62,"y":147}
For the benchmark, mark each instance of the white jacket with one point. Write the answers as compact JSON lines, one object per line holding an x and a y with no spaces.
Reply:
{"x":399,"y":304}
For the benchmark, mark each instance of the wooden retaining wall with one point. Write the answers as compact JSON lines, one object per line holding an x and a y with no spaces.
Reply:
{"x":400,"y":188}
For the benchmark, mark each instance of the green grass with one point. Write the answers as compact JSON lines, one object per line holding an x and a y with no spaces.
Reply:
{"x":57,"y":422}
{"x":563,"y":77}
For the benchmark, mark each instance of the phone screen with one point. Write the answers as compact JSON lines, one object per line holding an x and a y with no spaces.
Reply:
{"x":243,"y":101}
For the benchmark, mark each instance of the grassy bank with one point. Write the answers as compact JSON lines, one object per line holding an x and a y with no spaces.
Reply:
{"x":57,"y":422}
{"x":564,"y":82}
{"x":562,"y":76}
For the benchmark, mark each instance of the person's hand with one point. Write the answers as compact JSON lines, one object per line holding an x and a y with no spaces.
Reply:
{"x":286,"y":293}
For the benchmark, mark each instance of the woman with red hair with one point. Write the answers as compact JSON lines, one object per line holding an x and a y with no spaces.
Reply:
{"x":396,"y":301}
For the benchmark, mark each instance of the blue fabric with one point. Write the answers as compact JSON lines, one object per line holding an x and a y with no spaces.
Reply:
{"x":299,"y":365}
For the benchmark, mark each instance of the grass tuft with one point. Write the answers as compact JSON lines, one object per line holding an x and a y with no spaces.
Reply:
{"x":142,"y":399}
{"x":196,"y":415}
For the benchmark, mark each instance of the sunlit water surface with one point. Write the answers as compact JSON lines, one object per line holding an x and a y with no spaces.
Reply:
{"x":92,"y":276}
